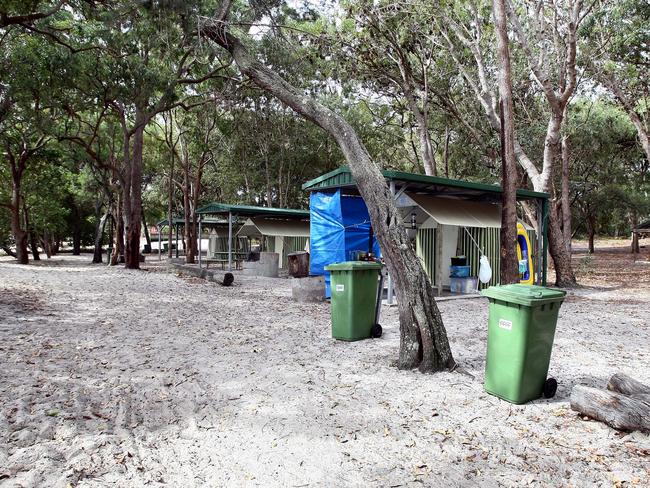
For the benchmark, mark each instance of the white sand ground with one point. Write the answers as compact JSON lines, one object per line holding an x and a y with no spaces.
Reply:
{"x":124,"y":378}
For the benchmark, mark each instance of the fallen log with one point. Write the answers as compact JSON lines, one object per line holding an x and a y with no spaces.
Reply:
{"x":622,"y":383}
{"x":622,"y":412}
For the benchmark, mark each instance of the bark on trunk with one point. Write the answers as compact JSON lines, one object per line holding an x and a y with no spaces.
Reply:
{"x":424,"y":342}
{"x":566,"y":200}
{"x":591,"y":231}
{"x":20,"y":236}
{"x":509,"y":264}
{"x":133,"y":196}
{"x":100,"y":225}
{"x":33,"y":238}
{"x":564,"y":275}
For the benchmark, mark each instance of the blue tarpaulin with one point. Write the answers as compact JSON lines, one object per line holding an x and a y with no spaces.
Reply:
{"x":339,"y":226}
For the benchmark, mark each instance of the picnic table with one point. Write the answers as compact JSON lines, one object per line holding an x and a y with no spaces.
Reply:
{"x":221,"y":257}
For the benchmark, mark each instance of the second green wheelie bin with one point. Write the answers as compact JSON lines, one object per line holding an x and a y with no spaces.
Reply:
{"x":354,"y":295}
{"x":521,"y":329}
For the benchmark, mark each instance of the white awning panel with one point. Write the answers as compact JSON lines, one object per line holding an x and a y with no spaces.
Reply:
{"x":260,"y":226}
{"x":447,"y":211}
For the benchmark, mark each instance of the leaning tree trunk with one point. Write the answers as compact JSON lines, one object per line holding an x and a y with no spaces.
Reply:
{"x":423,"y":338}
{"x":509,"y":264}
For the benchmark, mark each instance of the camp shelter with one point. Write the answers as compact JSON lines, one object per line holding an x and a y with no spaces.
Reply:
{"x":279,"y":235}
{"x":450,"y":217}
{"x":250,"y":221}
{"x":212,"y":226}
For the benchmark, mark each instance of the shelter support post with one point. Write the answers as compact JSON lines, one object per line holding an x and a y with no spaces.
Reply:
{"x":159,"y":244}
{"x":540,"y":242}
{"x":544,"y":227}
{"x":229,"y":241}
{"x":200,"y":230}
{"x":389,"y":297}
{"x":438,"y":259}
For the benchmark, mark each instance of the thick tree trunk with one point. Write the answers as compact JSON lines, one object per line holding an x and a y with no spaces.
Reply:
{"x":509,"y":263}
{"x":20,"y":235}
{"x":33,"y":238}
{"x":188,"y":230}
{"x":47,"y":243}
{"x":566,"y":200}
{"x":119,"y":234}
{"x":133,"y":197}
{"x":591,"y":231}
{"x":564,"y":275}
{"x":622,"y":412}
{"x":100,"y":225}
{"x":423,"y":338}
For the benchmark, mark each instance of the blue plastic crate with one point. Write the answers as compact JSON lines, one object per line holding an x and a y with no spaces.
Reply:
{"x":459,"y":271}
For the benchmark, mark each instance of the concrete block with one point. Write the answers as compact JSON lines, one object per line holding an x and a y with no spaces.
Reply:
{"x":310,"y":289}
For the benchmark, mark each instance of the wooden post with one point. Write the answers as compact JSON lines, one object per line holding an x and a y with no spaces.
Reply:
{"x":159,"y":243}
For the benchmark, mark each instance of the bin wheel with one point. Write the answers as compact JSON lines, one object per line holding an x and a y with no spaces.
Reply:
{"x":376,"y":331}
{"x":550,"y":387}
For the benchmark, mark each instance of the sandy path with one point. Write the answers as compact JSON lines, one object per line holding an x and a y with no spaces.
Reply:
{"x":120,"y":378}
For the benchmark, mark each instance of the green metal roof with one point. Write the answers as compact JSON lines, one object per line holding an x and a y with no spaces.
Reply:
{"x":342,"y":178}
{"x":251,"y":211}
{"x":181,"y":221}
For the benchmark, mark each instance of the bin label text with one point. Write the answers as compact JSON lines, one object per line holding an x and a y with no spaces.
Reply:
{"x":340,"y":287}
{"x":505,"y":324}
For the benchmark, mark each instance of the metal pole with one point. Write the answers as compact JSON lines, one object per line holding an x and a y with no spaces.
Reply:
{"x":545,"y":239}
{"x":200,"y":230}
{"x":159,"y":244}
{"x":229,"y":241}
{"x":389,"y":296}
{"x":540,"y":241}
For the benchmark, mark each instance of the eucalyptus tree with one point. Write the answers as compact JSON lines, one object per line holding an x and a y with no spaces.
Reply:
{"x":31,"y":71}
{"x":148,"y":62}
{"x":547,"y":36}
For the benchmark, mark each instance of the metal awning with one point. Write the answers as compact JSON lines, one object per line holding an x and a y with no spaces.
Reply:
{"x":260,"y":226}
{"x":462,"y":213}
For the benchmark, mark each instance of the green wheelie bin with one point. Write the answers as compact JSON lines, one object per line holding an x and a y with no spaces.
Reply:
{"x":354,"y":295}
{"x":521,"y":328}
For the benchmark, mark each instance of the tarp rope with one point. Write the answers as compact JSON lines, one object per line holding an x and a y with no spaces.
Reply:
{"x":474,"y":241}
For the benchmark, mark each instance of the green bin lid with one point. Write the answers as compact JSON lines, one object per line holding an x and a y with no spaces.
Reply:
{"x":524,"y":294}
{"x":353,"y":265}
